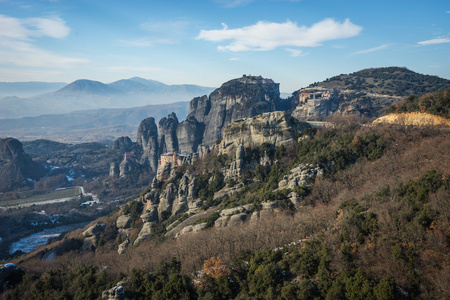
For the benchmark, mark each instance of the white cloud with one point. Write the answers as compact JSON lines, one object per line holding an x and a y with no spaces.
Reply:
{"x":25,"y":29}
{"x":265,"y":36}
{"x":294,"y":52}
{"x":435,"y":41}
{"x":372,"y":49}
{"x":17,"y":37}
{"x":234,"y":58}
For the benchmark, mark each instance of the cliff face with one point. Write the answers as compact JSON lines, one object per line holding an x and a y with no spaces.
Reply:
{"x":244,"y":97}
{"x":189,"y":134}
{"x":147,"y":139}
{"x":16,"y":166}
{"x":274,"y":128}
{"x":167,"y":140}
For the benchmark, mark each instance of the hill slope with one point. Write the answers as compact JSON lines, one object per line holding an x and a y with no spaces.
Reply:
{"x":387,"y":81}
{"x":373,"y":225}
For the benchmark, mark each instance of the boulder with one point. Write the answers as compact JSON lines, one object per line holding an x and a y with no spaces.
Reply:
{"x":195,"y":206}
{"x":221,"y":222}
{"x":90,"y":243}
{"x":144,"y":233}
{"x":232,"y":211}
{"x":123,"y":246}
{"x":238,"y":219}
{"x":270,"y":205}
{"x":150,"y":215}
{"x":93,"y":230}
{"x":123,"y":222}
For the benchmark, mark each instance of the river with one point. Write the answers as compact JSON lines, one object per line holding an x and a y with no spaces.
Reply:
{"x":29,"y":243}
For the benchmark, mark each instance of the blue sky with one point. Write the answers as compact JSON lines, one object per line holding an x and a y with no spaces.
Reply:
{"x":212,"y":41}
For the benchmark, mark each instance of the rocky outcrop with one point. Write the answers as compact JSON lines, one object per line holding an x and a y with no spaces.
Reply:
{"x":147,"y":139}
{"x":16,"y":167}
{"x":236,"y":167}
{"x":115,"y":293}
{"x":128,"y":165}
{"x":123,"y":145}
{"x":123,"y":246}
{"x":303,"y":175}
{"x":144,"y":233}
{"x":91,"y":237}
{"x":274,"y":128}
{"x":191,"y":229}
{"x":123,"y":222}
{"x":190,"y":134}
{"x":114,"y":169}
{"x":167,"y":140}
{"x":244,"y":97}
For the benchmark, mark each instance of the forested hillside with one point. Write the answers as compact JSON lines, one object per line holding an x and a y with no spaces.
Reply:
{"x":436,"y":103}
{"x":374,"y":225}
{"x":387,"y":81}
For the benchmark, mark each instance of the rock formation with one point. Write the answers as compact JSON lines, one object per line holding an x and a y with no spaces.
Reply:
{"x":123,"y":145}
{"x":128,"y":165}
{"x":167,"y":140}
{"x":147,"y":139}
{"x":91,"y":237}
{"x":189,"y":134}
{"x":244,"y":97}
{"x":16,"y":167}
{"x":274,"y":128}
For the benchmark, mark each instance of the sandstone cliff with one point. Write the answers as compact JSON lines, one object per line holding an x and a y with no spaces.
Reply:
{"x":167,"y":140}
{"x":244,"y":97}
{"x":274,"y":128}
{"x":147,"y":139}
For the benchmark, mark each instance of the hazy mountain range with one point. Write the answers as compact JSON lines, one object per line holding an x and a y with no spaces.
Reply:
{"x":86,"y":94}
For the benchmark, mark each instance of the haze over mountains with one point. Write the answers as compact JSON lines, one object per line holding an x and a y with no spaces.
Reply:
{"x":86,"y":94}
{"x":90,"y":115}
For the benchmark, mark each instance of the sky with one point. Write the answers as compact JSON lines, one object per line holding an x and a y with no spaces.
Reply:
{"x":208,"y":42}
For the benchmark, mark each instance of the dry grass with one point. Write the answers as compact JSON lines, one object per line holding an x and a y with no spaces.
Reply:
{"x":413,"y":119}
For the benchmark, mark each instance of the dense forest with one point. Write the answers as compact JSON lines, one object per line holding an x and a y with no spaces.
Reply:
{"x":374,"y":226}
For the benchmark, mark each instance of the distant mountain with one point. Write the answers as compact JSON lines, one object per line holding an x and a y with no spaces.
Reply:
{"x":88,"y":125}
{"x":84,"y":87}
{"x":86,"y":94}
{"x":27,"y":89}
{"x":387,"y":81}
